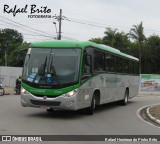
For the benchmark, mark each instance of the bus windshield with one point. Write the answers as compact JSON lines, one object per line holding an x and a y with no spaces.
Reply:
{"x":48,"y":66}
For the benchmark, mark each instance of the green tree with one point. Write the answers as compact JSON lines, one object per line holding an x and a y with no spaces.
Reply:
{"x":109,"y":38}
{"x":18,"y":55}
{"x":152,"y":54}
{"x":118,"y":40}
{"x":122,"y":42}
{"x":96,"y":40}
{"x":10,"y":40}
{"x":149,"y":59}
{"x":133,"y":49}
{"x":137,"y":34}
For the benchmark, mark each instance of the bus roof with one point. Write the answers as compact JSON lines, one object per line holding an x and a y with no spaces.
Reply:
{"x":81,"y":44}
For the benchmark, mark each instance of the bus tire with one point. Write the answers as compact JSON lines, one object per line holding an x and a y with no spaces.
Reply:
{"x":124,"y":102}
{"x":1,"y":91}
{"x":90,"y":110}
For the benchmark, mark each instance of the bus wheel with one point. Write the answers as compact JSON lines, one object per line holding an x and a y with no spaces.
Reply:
{"x":90,"y":110}
{"x":50,"y":110}
{"x":125,"y":100}
{"x":1,"y":91}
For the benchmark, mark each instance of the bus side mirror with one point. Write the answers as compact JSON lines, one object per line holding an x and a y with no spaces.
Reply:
{"x":21,"y":54}
{"x":88,"y":60}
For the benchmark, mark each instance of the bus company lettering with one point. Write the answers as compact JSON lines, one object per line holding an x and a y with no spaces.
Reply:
{"x":43,"y":91}
{"x":37,"y":90}
{"x":33,"y":9}
{"x":113,"y":80}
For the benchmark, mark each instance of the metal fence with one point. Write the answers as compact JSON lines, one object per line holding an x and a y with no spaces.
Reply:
{"x":8,"y":75}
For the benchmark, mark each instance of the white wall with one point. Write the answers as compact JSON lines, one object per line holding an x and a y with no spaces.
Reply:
{"x":8,"y":75}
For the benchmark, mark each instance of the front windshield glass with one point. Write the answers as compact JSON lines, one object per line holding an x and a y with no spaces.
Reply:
{"x":51,"y":66}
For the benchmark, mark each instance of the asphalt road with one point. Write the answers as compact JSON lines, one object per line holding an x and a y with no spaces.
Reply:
{"x":109,"y":119}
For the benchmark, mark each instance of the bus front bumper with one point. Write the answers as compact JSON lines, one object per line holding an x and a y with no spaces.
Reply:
{"x":61,"y":102}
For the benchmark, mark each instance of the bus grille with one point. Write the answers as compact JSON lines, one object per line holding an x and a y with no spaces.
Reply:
{"x":46,"y":95}
{"x":45,"y":103}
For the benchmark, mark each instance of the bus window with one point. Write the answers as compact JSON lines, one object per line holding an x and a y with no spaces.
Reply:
{"x":136,"y":68}
{"x":86,"y":68}
{"x":131,"y":67}
{"x":99,"y":61}
{"x":118,"y":64}
{"x":110,"y":63}
{"x":125,"y":65}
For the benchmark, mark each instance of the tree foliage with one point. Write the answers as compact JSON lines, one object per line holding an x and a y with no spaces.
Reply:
{"x":135,"y":43}
{"x":97,"y":40}
{"x":137,"y":33}
{"x":11,"y":41}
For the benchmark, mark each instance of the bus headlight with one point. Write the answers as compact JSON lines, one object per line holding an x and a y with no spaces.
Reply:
{"x":24,"y":91}
{"x":71,"y":93}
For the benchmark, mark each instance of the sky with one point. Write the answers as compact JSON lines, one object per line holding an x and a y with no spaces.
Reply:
{"x":81,"y":15}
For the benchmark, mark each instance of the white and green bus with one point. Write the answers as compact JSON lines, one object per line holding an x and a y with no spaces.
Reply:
{"x":74,"y":75}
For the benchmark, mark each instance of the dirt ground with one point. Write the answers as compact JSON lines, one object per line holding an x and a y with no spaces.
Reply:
{"x":155,"y":112}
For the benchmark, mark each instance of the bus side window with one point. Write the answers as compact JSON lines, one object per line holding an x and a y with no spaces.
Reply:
{"x":86,"y":69}
{"x":136,"y":68}
{"x":110,"y":63}
{"x":118,"y":64}
{"x":99,"y":61}
{"x":125,"y":65}
{"x":131,"y":67}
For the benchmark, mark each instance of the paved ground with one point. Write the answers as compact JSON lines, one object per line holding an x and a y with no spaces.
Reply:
{"x":110,"y":119}
{"x":154,"y":111}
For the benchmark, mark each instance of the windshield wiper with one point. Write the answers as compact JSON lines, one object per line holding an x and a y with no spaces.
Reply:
{"x":41,"y":70}
{"x":52,"y":71}
{"x":52,"y":68}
